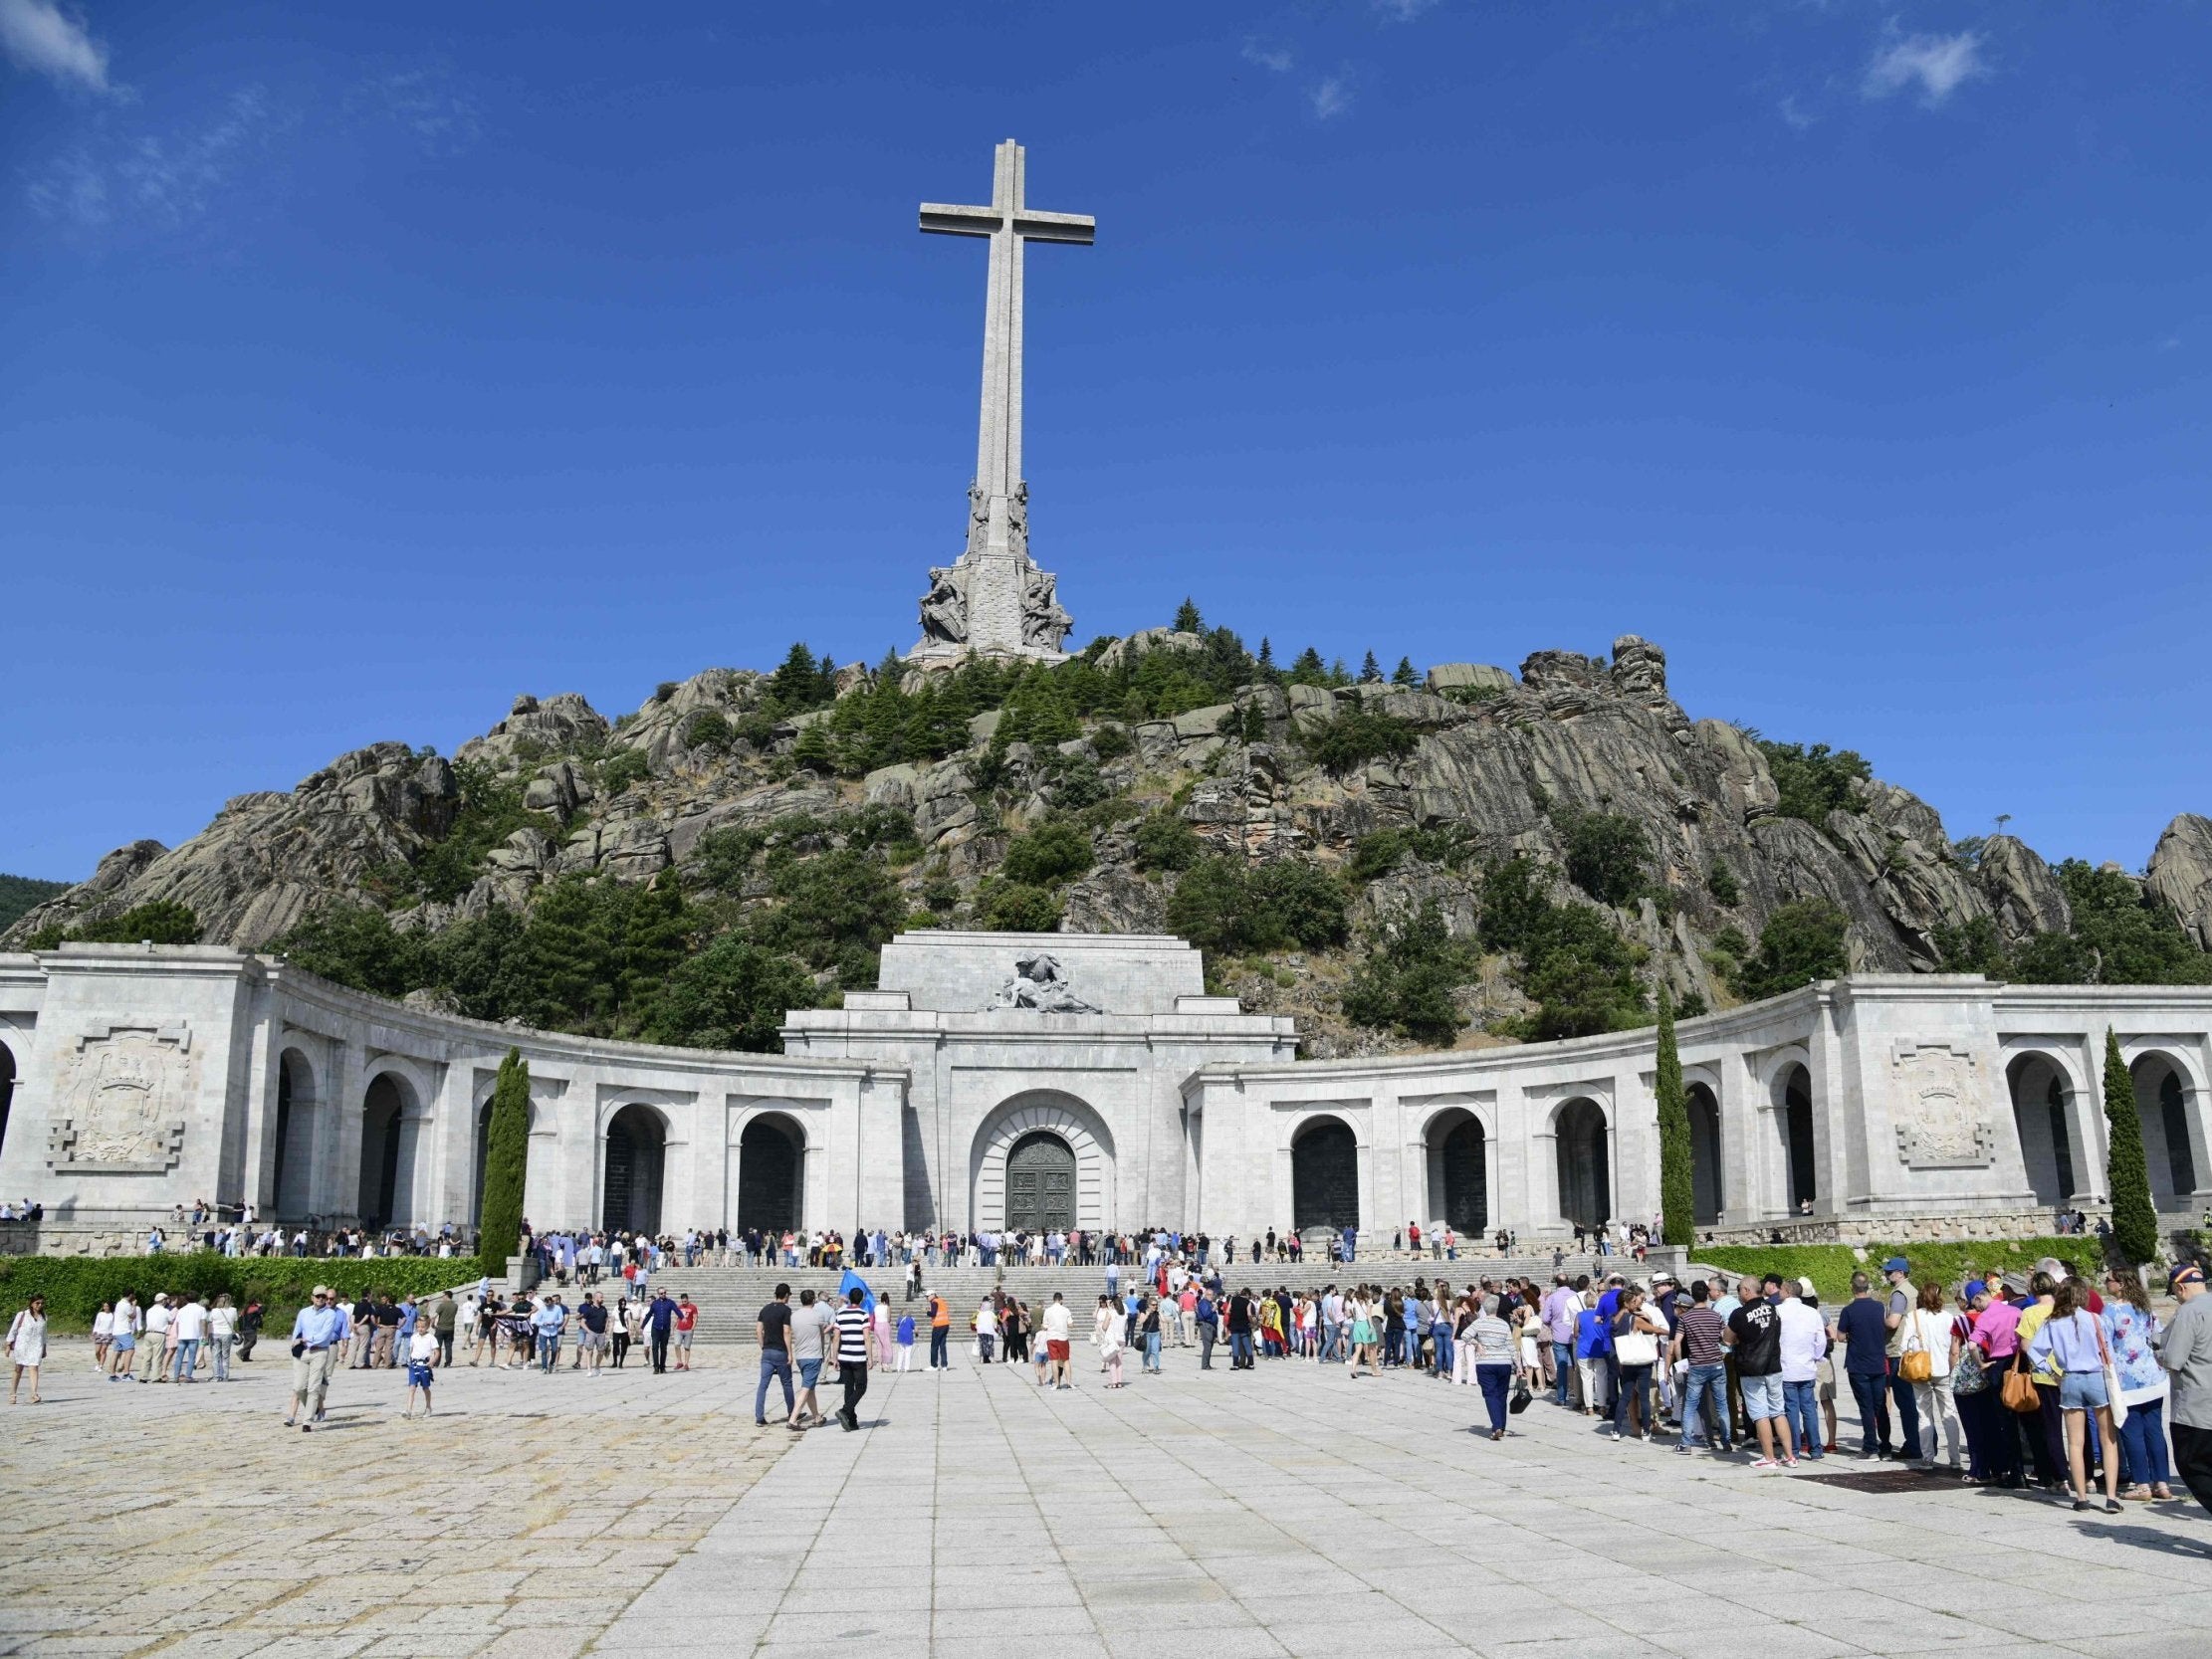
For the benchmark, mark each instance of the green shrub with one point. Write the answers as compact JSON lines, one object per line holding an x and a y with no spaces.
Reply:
{"x":1576,"y":968}
{"x":1802,"y":943}
{"x":1111,"y":742}
{"x":619,"y":771}
{"x":1606,"y":854}
{"x":1355,"y":737}
{"x":1015,"y":907}
{"x":1830,"y":1266}
{"x":1166,"y":841}
{"x":733,"y":995}
{"x":76,"y":1286}
{"x":1221,"y":905}
{"x":1720,"y":881}
{"x":1052,"y":854}
{"x":1406,"y":982}
{"x":709,"y":730}
{"x":1813,"y":782}
{"x":158,"y":920}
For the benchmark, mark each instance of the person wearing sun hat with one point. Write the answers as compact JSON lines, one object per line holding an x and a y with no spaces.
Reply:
{"x":2185,"y":1350}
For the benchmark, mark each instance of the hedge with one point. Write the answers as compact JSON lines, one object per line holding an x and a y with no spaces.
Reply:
{"x":1830,"y":1266}
{"x":76,"y":1286}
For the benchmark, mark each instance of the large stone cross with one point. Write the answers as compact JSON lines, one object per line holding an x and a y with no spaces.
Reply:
{"x":994,"y":578}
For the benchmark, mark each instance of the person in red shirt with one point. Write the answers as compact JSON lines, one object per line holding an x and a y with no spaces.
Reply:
{"x":687,"y":1316}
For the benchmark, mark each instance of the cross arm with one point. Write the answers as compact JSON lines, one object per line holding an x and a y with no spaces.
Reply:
{"x":1055,"y":227}
{"x":947,"y":220}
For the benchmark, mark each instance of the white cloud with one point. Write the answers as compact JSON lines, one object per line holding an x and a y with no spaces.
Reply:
{"x":37,"y":35}
{"x":1795,"y":112}
{"x":1276,"y":58}
{"x":1330,"y":97}
{"x":1936,"y":64}
{"x":422,"y":101}
{"x":166,"y":179}
{"x":1403,"y":11}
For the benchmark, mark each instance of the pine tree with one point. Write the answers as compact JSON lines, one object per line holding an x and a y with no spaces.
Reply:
{"x":1677,"y":1178}
{"x":506,"y":1165}
{"x":1187,"y":620}
{"x":2135,"y":1217}
{"x":1404,"y":674}
{"x":1306,"y":669}
{"x":1371,"y":670}
{"x":1265,"y":666}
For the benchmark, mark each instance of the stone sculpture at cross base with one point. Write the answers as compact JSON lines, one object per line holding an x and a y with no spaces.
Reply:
{"x":993,"y":600}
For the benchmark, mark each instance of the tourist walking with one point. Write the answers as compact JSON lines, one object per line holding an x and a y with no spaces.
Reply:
{"x":941,"y":1333}
{"x":810,"y":1346}
{"x":660,"y":1318}
{"x":1491,"y":1339}
{"x":2185,"y":1354}
{"x":852,"y":1355}
{"x":771,"y":1331}
{"x":1111,"y":1329}
{"x":684,"y":1320}
{"x":1637,"y":1332}
{"x":27,"y":1346}
{"x":317,"y":1330}
{"x":422,"y":1360}
{"x":1059,"y":1333}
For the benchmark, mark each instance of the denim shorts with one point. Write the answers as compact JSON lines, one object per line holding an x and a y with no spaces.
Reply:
{"x":2081,"y":1391}
{"x":809,"y":1373}
{"x":1762,"y":1396}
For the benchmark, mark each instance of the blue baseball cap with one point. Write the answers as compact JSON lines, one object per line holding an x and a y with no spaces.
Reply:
{"x":1896,"y":1264}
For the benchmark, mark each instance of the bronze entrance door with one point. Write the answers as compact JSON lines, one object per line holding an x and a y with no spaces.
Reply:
{"x":1040,"y":1185}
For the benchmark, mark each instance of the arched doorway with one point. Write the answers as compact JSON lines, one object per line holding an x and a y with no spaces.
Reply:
{"x":770,"y":1174}
{"x":1585,"y":1178}
{"x":1459,"y":1172}
{"x":383,"y":1130}
{"x":2161,"y":1105}
{"x":637,"y":1149}
{"x":1704,"y":1154}
{"x":287,"y":1181}
{"x":1797,"y":1137}
{"x":2041,"y":1117}
{"x":7,"y":1088}
{"x":1040,"y":1183}
{"x":1325,"y":1175}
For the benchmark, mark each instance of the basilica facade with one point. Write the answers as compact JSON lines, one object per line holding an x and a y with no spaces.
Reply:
{"x":1008,"y":1081}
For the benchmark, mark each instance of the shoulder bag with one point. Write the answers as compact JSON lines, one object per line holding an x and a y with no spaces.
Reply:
{"x":2018,"y":1390}
{"x":1915,"y":1362}
{"x":1636,"y":1348}
{"x":2117,"y":1407}
{"x":1969,"y":1376}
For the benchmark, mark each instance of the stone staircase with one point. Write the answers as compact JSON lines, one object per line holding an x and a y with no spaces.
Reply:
{"x":730,"y":1297}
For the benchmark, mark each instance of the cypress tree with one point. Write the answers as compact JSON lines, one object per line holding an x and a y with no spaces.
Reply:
{"x":505,"y":1165}
{"x":2134,"y":1218}
{"x":1678,"y":1182}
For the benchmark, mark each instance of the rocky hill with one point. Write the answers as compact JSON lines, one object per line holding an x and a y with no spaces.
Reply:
{"x":1469,"y":854}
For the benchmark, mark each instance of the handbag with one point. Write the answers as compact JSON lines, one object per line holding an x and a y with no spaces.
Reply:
{"x":2018,"y":1390}
{"x":1519,"y":1403}
{"x":1969,"y":1376}
{"x":2113,"y":1403}
{"x":1636,"y":1348}
{"x":1915,"y":1362}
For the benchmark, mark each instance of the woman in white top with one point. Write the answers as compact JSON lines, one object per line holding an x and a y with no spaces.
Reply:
{"x":222,"y":1331}
{"x":1930,"y":1330}
{"x":104,"y":1334}
{"x":1109,"y":1338}
{"x":27,"y":1346}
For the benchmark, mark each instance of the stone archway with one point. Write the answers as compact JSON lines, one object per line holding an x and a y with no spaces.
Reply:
{"x":1458,"y":1151}
{"x":1793,"y":1096}
{"x":2041,"y":1117}
{"x":1014,"y":1124}
{"x":386,"y":1170}
{"x":289,"y":1179}
{"x":772,"y":1174}
{"x":2161,"y":1105}
{"x":1708,"y":1180}
{"x":636,"y":1160}
{"x":1585,"y":1174}
{"x":1324,"y":1176}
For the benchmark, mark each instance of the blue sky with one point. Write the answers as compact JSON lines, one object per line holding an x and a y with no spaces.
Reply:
{"x":367,"y":366}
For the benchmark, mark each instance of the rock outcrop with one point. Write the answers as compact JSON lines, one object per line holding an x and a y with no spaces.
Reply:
{"x":1503,"y":763}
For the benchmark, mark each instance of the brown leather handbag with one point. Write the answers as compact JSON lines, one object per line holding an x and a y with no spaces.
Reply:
{"x":2019,"y":1389}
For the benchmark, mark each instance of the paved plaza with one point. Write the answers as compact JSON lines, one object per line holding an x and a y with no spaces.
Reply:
{"x":1285,"y":1511}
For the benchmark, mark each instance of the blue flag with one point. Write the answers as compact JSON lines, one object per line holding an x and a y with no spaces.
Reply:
{"x":853,"y":1282}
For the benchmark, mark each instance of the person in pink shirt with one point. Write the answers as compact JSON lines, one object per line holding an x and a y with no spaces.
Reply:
{"x":1996,"y":1331}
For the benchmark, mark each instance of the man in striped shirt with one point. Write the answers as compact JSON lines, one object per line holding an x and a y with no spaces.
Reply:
{"x":852,"y":1355}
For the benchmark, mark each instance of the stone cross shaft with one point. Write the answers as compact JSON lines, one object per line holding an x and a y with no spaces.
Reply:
{"x":997,"y":530}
